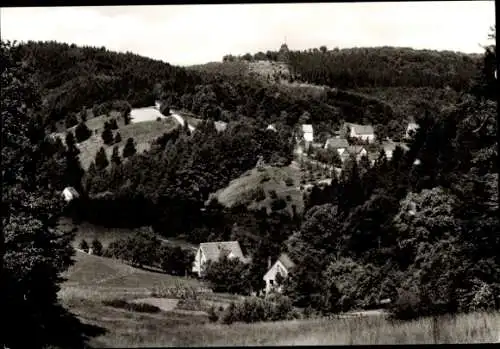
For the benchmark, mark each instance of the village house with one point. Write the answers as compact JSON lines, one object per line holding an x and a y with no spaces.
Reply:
{"x":362,"y":132}
{"x":410,"y":130}
{"x":212,"y":251}
{"x":337,"y":143}
{"x":271,"y":127}
{"x":390,"y":146}
{"x":282,"y":266}
{"x":357,"y":150}
{"x":69,"y":194}
{"x":307,"y":133}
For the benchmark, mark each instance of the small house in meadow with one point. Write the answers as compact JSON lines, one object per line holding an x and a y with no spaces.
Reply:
{"x":69,"y":194}
{"x":213,"y":251}
{"x":282,"y":267}
{"x":411,"y":129}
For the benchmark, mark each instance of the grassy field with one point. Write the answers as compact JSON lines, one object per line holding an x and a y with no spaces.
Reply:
{"x":245,"y":188}
{"x":143,"y":134}
{"x":93,"y":280}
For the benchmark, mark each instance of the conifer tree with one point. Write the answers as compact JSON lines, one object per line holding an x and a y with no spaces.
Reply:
{"x":101,"y":160}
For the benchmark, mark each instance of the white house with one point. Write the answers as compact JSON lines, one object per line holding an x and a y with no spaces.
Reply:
{"x":69,"y":194}
{"x":390,"y":146}
{"x":307,"y":132}
{"x":337,"y":143}
{"x":363,"y":132}
{"x":411,"y":129}
{"x":212,"y":251}
{"x":283,"y":267}
{"x":271,"y":127}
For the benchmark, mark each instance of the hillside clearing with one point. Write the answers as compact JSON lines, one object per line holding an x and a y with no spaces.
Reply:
{"x":256,"y":187}
{"x":143,"y":133}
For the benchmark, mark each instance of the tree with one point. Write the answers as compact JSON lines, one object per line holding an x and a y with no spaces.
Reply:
{"x":34,"y":252}
{"x":101,"y":160}
{"x":175,"y":260}
{"x":82,"y":132}
{"x":83,"y":115}
{"x":96,"y":247}
{"x":115,"y":157}
{"x":84,"y":246}
{"x":129,"y":149}
{"x":227,"y":275}
{"x":107,"y":136}
{"x":118,"y":137}
{"x":71,"y":120}
{"x":126,"y":115}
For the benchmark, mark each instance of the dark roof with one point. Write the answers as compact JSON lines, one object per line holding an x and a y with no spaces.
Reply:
{"x":286,"y":261}
{"x":337,"y":143}
{"x":212,"y":250}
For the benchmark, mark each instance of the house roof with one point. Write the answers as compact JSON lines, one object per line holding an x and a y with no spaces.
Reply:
{"x":307,"y":128}
{"x":412,"y":126}
{"x":212,"y":250}
{"x":337,"y":143}
{"x":361,"y":129}
{"x":286,"y":261}
{"x":355,"y":149}
{"x":220,"y":126}
{"x":391,"y":146}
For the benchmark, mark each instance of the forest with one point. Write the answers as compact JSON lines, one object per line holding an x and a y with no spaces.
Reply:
{"x":423,"y":236}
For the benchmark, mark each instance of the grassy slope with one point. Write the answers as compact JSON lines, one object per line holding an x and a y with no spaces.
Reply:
{"x":143,"y":134}
{"x":241,"y":190}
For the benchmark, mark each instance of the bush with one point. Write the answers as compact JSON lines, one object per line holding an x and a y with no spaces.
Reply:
{"x":273,"y":194}
{"x":406,"y":306}
{"x":258,"y":194}
{"x":97,"y":247}
{"x":265,"y":178}
{"x":84,"y":246}
{"x":107,"y":136}
{"x":289,"y":182}
{"x":484,"y":299}
{"x":82,"y":132}
{"x":212,"y":314}
{"x":274,"y":308}
{"x":138,"y":307}
{"x":278,"y":204}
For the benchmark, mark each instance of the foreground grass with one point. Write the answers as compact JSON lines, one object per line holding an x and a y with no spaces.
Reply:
{"x":170,"y":331}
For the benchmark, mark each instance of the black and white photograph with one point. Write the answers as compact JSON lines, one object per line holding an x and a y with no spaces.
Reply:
{"x":249,"y":174}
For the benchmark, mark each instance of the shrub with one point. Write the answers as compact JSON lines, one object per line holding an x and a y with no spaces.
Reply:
{"x":406,"y":306}
{"x":278,"y":204}
{"x":138,"y":307}
{"x":212,"y":314}
{"x":265,"y":178}
{"x":118,"y":137}
{"x":258,"y":194}
{"x":113,"y":125}
{"x":273,"y":194}
{"x":97,"y":247}
{"x":107,"y":136}
{"x":274,"y":308}
{"x":288,"y":198}
{"x":484,"y":299}
{"x":84,"y":246}
{"x":82,"y":132}
{"x":289,"y":182}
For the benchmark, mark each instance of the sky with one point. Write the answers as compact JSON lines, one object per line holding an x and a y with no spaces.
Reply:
{"x":196,"y":34}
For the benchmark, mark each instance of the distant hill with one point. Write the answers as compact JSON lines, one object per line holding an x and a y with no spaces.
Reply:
{"x":272,"y":188}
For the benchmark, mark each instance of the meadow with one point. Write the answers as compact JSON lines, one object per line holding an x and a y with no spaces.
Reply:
{"x":93,"y":283}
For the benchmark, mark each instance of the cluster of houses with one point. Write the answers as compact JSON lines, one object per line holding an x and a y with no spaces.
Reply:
{"x":213,"y":251}
{"x":343,"y":143}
